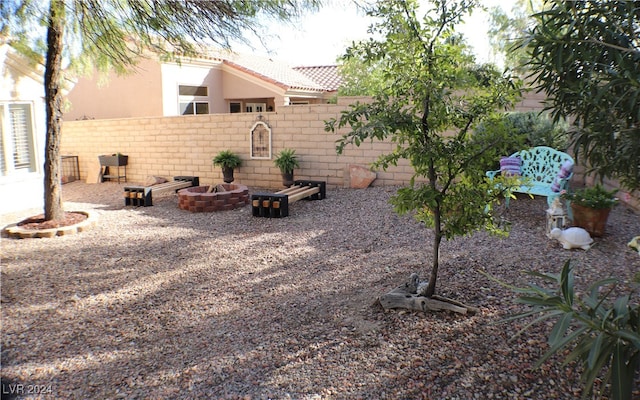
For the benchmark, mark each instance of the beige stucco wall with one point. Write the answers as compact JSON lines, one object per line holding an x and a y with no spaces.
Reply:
{"x":152,"y":90}
{"x":237,"y":86}
{"x":137,"y":94}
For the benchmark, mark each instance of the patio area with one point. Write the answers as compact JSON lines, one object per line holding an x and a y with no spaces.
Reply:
{"x":158,"y":302}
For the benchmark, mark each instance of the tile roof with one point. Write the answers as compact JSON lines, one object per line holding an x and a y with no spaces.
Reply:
{"x":317,"y":79}
{"x":276,"y":72}
{"x":326,"y":76}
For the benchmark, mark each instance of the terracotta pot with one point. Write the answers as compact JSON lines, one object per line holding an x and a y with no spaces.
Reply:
{"x":593,"y":220}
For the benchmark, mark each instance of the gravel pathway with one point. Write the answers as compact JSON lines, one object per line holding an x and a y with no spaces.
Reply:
{"x":160,"y":303}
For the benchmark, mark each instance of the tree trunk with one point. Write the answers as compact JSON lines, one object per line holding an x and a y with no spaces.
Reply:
{"x":53,"y":96}
{"x":431,"y":289}
{"x":437,"y":235}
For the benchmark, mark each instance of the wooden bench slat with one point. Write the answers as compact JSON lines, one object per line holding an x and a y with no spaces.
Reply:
{"x":293,"y":190}
{"x":301,"y":195}
{"x":143,"y":195}
{"x":169,"y":186}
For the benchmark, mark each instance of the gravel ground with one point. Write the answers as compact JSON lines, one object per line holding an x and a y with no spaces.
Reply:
{"x":160,"y":303}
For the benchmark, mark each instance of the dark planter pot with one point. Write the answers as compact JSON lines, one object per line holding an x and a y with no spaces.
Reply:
{"x":227,"y":174}
{"x":113,"y":161}
{"x":593,"y":220}
{"x":287,"y":178}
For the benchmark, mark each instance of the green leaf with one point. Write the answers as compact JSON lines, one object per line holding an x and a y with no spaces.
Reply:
{"x":590,"y":374}
{"x":621,"y":307}
{"x":621,"y":374}
{"x":631,"y":337}
{"x":559,"y":329}
{"x":594,"y":352}
{"x":539,"y":301}
{"x":567,"y":283}
{"x":559,"y":344}
{"x":548,"y":277}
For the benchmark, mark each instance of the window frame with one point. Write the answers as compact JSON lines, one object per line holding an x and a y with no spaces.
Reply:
{"x":193,"y":101}
{"x":263,"y":107}
{"x":8,"y":159}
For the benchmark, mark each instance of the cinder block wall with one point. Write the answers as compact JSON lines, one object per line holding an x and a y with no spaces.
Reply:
{"x":185,"y":145}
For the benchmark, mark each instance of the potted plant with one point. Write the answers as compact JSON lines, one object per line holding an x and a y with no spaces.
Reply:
{"x":590,"y":207}
{"x":228,"y":160}
{"x":286,"y":161}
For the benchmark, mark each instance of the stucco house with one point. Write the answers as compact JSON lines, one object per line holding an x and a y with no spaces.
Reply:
{"x":22,"y":131}
{"x":217,"y":82}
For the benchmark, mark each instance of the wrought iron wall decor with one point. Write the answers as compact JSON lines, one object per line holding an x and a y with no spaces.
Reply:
{"x":260,"y":140}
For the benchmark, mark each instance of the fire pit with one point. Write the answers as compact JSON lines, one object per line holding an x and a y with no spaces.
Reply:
{"x":225,"y":197}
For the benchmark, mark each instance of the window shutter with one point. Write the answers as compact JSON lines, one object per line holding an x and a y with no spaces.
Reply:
{"x":19,"y":120}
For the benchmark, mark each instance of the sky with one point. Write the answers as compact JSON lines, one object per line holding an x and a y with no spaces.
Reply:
{"x":320,"y":37}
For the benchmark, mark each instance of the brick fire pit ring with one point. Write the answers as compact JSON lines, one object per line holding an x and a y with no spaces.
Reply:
{"x":227,"y":197}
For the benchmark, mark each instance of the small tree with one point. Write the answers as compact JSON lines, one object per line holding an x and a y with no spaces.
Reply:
{"x":433,"y":95}
{"x":507,"y":27}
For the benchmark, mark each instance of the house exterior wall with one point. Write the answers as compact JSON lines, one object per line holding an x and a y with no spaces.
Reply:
{"x":207,"y":74}
{"x":237,"y":86}
{"x":152,"y":91}
{"x":22,"y":84}
{"x":138,"y":94}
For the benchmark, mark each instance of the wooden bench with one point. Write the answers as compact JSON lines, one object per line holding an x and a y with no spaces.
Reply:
{"x":545,"y":172}
{"x":143,"y":195}
{"x":276,"y":205}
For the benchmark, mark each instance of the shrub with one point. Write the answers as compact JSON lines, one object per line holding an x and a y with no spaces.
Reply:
{"x":521,"y":130}
{"x":605,"y":335}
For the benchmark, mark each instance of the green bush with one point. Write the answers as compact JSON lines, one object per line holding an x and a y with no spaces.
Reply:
{"x":604,"y":335}
{"x":496,"y":134}
{"x":539,"y":129}
{"x":520,"y":130}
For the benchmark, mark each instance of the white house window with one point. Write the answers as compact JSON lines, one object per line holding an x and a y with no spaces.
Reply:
{"x":255,"y":107}
{"x":193,"y":99}
{"x":17,"y":144}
